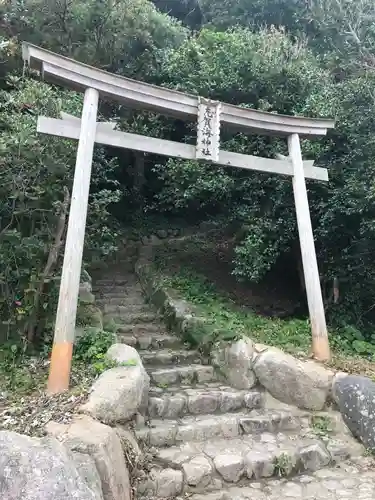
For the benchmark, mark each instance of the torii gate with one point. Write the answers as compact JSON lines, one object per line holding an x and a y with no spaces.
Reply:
{"x":210,"y":115}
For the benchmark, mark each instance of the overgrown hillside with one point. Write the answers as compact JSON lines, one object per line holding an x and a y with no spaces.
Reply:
{"x":315,"y":58}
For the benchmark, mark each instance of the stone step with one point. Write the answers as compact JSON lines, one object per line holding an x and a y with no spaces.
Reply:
{"x":163,"y":433}
{"x":123,"y":300}
{"x":131,"y":318}
{"x":124,"y":309}
{"x":118,"y":282}
{"x":114,"y":294}
{"x":169,"y":356}
{"x":149,"y":340}
{"x":164,"y":377}
{"x":201,"y":401}
{"x":138,"y":329}
{"x":218,"y":464}
{"x":126,"y":287}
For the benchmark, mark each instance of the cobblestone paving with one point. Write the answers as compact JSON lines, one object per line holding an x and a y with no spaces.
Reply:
{"x":348,"y":481}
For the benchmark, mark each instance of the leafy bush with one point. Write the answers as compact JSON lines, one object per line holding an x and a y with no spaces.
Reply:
{"x":127,"y":36}
{"x":35,"y":172}
{"x":226,"y":322}
{"x":91,"y":348}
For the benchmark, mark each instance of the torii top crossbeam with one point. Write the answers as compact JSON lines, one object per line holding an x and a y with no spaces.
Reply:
{"x":210,"y":116}
{"x":78,"y":76}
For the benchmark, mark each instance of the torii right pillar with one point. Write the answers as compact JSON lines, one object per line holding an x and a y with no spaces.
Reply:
{"x":320,"y":344}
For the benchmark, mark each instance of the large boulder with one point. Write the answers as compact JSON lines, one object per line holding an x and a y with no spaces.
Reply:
{"x":101,"y":442}
{"x":355,"y":397}
{"x":304,"y":384}
{"x":235,"y":362}
{"x":121,"y":392}
{"x":124,"y":354}
{"x":36,"y":469}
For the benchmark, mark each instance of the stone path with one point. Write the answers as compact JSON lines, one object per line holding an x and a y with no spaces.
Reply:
{"x":213,"y":442}
{"x":347,"y":481}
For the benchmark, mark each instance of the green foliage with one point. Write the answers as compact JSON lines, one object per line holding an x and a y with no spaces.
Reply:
{"x":283,"y":465}
{"x":266,"y":70}
{"x":91,"y":348}
{"x":345,"y":230}
{"x":188,"y":11}
{"x":343,"y":33}
{"x":15,"y":373}
{"x":35,"y":171}
{"x":22,"y":374}
{"x":89,"y":315}
{"x":123,"y":36}
{"x":340,"y":32}
{"x":263,"y":70}
{"x":321,"y":425}
{"x":92,"y":345}
{"x":226,"y":13}
{"x":228,"y":322}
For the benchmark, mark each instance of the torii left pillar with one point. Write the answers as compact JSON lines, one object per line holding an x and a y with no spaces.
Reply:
{"x":63,"y":341}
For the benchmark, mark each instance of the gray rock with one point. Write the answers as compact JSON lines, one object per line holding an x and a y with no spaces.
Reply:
{"x":229,"y":466}
{"x":85,"y":277}
{"x":156,"y":407}
{"x":197,"y":471}
{"x":146,"y":486}
{"x":90,"y":315}
{"x":145,"y":341}
{"x":162,"y":234}
{"x":102,"y":443}
{"x":314,"y":457}
{"x":165,"y":377}
{"x":235,"y":362}
{"x":175,"y":407}
{"x":87,"y":469}
{"x":86,"y":297}
{"x":85,"y":289}
{"x":203,"y":403}
{"x":119,"y":393}
{"x":253,"y":400}
{"x":355,"y":397}
{"x":231,"y":401}
{"x":177,"y":456}
{"x":163,"y":435}
{"x":303,"y":384}
{"x":129,"y":443}
{"x":343,"y":447}
{"x":123,"y":354}
{"x":260,"y":464}
{"x":169,"y":483}
{"x":36,"y":469}
{"x":205,"y":374}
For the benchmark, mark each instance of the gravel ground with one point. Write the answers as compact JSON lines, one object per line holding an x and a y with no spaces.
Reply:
{"x":26,"y":408}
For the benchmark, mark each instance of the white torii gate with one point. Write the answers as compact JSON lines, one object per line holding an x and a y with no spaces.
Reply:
{"x":210,"y":116}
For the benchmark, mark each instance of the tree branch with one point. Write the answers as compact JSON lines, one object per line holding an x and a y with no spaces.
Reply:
{"x":51,"y":261}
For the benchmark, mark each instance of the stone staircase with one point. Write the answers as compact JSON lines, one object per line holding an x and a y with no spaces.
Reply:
{"x":211,"y":441}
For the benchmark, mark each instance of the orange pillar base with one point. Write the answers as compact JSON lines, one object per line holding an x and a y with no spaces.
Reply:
{"x":59,"y":372}
{"x":320,"y":349}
